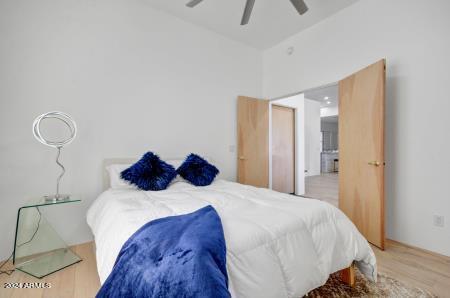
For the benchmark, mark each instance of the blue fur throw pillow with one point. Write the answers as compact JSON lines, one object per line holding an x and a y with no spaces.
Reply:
{"x":197,"y":170}
{"x":150,"y":173}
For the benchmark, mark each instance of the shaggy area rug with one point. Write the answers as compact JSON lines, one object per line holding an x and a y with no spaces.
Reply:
{"x":385,"y":287}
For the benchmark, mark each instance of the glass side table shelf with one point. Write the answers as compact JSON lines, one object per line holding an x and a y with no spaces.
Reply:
{"x":38,"y":249}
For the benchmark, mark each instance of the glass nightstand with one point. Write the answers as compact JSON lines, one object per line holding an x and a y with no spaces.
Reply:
{"x":38,"y":249}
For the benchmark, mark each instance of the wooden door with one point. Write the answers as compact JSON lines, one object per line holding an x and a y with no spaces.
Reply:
{"x":361,"y":150}
{"x":253,"y":141}
{"x":283,"y":149}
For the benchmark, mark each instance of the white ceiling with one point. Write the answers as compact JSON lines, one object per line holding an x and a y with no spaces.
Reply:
{"x":319,"y":94}
{"x":271,"y":22}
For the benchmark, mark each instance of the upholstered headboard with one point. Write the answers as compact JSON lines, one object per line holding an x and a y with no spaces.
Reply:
{"x":113,"y":161}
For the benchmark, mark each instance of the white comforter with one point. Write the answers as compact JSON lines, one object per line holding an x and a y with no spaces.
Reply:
{"x":278,"y":245}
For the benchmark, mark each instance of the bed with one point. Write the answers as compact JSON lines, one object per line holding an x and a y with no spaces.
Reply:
{"x":278,"y":245}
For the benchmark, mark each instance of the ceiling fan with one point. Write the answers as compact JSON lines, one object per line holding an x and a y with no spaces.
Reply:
{"x":299,"y":5}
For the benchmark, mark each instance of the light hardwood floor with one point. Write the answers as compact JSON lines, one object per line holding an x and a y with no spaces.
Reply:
{"x":324,"y":187}
{"x":415,"y":267}
{"x":412,"y":266}
{"x":80,"y":280}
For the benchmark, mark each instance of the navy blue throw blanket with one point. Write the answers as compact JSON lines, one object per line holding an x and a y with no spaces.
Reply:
{"x":176,"y":256}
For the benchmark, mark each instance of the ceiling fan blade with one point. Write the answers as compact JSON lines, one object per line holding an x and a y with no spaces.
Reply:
{"x":193,"y":3}
{"x":247,"y":12}
{"x":300,"y":5}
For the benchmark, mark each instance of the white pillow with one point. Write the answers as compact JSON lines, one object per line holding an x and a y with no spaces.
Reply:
{"x":116,"y":182}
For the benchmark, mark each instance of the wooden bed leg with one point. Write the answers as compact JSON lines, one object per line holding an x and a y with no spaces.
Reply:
{"x":348,"y":275}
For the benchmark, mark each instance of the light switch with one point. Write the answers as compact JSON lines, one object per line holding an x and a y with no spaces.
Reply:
{"x":438,"y":221}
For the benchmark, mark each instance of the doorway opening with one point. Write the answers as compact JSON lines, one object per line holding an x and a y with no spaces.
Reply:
{"x":322,"y":154}
{"x":315,"y":150}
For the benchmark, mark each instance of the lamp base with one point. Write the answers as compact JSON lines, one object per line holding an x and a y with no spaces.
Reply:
{"x":57,"y":198}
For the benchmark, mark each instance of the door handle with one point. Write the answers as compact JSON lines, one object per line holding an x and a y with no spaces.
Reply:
{"x":374,"y":163}
{"x":241,"y":158}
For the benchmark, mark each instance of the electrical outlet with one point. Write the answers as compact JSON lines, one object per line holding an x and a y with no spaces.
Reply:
{"x":438,"y":221}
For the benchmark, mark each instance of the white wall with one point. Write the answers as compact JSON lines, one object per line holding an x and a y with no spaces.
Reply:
{"x":134,"y":79}
{"x":312,"y":137}
{"x":298,"y":103}
{"x":413,"y":37}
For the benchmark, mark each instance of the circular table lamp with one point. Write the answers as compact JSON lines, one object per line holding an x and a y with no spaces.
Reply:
{"x":58,"y":144}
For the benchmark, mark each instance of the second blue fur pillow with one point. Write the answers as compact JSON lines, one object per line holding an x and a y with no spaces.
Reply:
{"x":150,"y":173}
{"x":197,"y":170}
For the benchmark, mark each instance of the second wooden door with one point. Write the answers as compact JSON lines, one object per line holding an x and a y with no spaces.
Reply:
{"x":283,"y":149}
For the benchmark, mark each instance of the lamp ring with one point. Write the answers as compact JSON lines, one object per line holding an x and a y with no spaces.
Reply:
{"x":66,"y":119}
